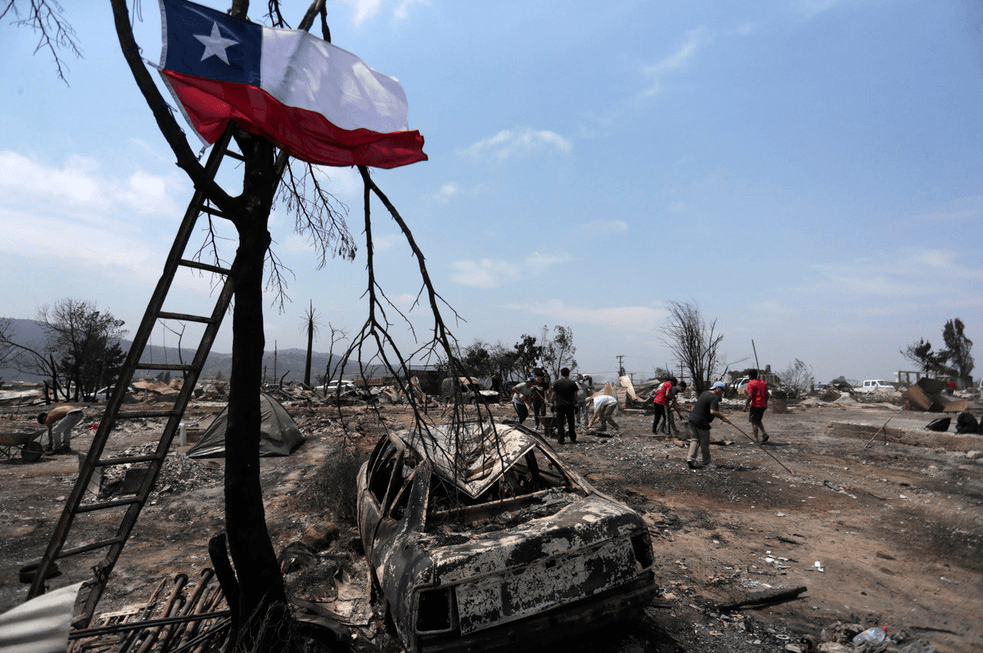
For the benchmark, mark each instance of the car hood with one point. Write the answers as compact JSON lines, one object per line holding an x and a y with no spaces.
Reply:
{"x":585,"y":522}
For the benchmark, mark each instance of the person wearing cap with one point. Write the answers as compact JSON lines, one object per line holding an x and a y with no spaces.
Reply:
{"x":706,"y":409}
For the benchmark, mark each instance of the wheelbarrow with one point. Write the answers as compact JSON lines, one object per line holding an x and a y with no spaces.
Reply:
{"x":30,"y":450}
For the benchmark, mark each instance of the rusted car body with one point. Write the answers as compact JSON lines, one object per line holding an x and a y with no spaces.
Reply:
{"x":480,"y":538}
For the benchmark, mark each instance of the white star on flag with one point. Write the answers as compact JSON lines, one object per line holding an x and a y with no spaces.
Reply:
{"x":215,"y":44}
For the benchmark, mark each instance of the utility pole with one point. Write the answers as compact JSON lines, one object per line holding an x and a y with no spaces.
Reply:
{"x":621,"y":367}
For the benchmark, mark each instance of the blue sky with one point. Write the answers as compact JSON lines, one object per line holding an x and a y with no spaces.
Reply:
{"x":808,"y":173}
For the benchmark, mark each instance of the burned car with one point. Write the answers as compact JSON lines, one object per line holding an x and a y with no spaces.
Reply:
{"x":480,"y":538}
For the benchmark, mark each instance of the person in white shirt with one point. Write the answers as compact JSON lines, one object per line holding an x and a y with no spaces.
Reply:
{"x":604,"y":407}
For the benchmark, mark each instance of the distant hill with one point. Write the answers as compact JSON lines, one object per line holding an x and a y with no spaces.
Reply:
{"x":218,"y":365}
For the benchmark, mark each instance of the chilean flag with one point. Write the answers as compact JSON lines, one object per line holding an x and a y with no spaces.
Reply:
{"x":317,"y":102}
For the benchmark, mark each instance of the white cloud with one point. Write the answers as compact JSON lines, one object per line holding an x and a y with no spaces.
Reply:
{"x":624,"y":319}
{"x":345,"y":184}
{"x":492,"y":273}
{"x":405,"y":301}
{"x":402,"y":10}
{"x":774,"y":308}
{"x":597,"y":227}
{"x":695,"y":39}
{"x":486,"y":273}
{"x":812,"y":8}
{"x":116,"y":252}
{"x":364,"y":9}
{"x":875,"y":284}
{"x":911,"y":273}
{"x":510,"y":143}
{"x":968,"y":209}
{"x":80,"y":188}
{"x":444,"y":195}
{"x":89,"y":221}
{"x":537,"y":262}
{"x":388,"y":241}
{"x":367,"y":9}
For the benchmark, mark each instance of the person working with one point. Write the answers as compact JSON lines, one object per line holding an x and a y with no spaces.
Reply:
{"x":665,"y":401}
{"x":674,"y":404}
{"x":564,"y":398}
{"x":757,"y":400}
{"x":707,"y":407}
{"x":604,"y":406}
{"x":581,"y":411}
{"x":520,"y":395}
{"x":60,"y":422}
{"x":538,"y":388}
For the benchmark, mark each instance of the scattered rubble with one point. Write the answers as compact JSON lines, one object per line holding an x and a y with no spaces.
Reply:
{"x":849,"y":526}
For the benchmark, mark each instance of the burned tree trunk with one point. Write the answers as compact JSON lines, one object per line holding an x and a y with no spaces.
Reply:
{"x":261,"y":609}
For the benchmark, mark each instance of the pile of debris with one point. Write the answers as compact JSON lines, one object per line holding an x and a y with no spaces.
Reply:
{"x":178,"y":474}
{"x":929,"y":394}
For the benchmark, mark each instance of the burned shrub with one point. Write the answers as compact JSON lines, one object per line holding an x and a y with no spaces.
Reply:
{"x":333,"y":486}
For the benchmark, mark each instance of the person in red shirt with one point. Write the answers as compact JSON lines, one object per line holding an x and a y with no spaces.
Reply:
{"x":664,"y":401}
{"x":757,"y":400}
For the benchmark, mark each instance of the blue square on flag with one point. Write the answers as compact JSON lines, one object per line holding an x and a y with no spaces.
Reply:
{"x":207,"y":43}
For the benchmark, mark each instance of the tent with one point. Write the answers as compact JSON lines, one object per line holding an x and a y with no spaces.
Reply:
{"x":279,"y":434}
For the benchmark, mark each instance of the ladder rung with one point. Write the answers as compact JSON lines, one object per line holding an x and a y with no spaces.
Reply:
{"x":164,"y":367}
{"x":85,"y":548}
{"x":204,"y":266}
{"x":143,"y":414}
{"x":164,"y":315}
{"x":106,"y":505}
{"x":212,"y":211}
{"x":235,"y":155}
{"x":126,"y":460}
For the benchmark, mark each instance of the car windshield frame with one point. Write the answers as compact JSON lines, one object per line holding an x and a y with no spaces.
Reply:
{"x":469,"y":455}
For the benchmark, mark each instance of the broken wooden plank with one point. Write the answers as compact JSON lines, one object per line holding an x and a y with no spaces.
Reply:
{"x":761,"y":598}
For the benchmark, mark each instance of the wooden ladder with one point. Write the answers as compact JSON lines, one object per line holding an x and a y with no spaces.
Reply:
{"x":124,"y":511}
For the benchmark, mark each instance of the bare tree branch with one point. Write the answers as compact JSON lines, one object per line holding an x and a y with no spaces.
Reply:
{"x":317,"y":219}
{"x":693,"y":341}
{"x":47,"y":19}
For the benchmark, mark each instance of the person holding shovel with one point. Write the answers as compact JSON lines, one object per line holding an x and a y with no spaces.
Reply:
{"x":756,"y":404}
{"x":707,"y":407}
{"x":665,"y":402}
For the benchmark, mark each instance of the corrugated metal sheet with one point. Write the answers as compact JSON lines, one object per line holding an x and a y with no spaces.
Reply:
{"x":41,"y":625}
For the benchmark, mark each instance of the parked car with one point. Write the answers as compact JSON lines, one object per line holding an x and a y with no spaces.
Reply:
{"x":105,"y":393}
{"x":332,"y":387}
{"x":874,"y":385}
{"x":480,"y":538}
